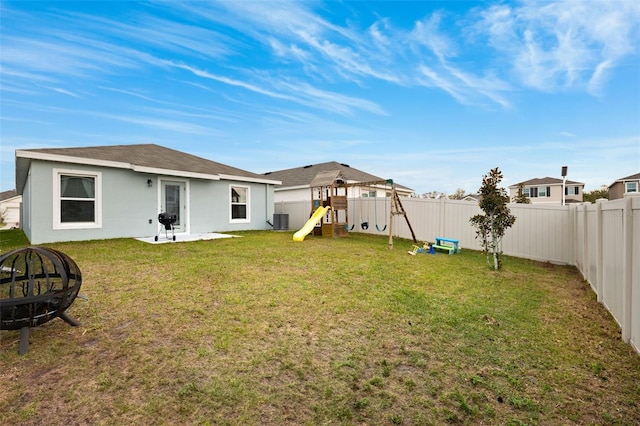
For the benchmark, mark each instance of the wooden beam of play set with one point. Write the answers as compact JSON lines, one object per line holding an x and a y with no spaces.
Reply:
{"x":396,"y":205}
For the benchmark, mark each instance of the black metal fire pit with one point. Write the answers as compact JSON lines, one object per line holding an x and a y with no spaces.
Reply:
{"x":37,"y":284}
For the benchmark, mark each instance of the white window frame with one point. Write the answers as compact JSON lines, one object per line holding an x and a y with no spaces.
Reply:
{"x":57,"y":198}
{"x":572,"y":190}
{"x":628,"y":185}
{"x":542,"y":192}
{"x":247,"y":204}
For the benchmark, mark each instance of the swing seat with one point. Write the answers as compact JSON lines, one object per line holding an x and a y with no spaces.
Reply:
{"x":364,"y":225}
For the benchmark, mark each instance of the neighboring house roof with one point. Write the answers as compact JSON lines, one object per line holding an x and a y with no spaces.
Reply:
{"x":144,"y":158}
{"x":544,"y":181}
{"x":625,"y":179}
{"x":472,"y":197}
{"x":5,"y":195}
{"x":302,"y":176}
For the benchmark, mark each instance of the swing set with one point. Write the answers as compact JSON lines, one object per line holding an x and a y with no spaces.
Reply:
{"x":364,"y":225}
{"x":391,"y":209}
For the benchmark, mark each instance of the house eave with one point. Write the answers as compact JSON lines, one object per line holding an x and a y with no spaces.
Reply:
{"x":72,"y":160}
{"x":249,"y":179}
{"x":291,"y":188}
{"x":30,"y":155}
{"x":176,"y":173}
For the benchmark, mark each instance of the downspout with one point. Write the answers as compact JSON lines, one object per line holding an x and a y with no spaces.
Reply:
{"x":266,"y":203}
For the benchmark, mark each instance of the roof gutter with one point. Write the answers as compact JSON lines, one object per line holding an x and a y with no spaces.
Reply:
{"x":249,"y":179}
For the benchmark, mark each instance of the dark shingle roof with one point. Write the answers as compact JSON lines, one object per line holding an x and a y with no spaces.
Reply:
{"x":632,"y":177}
{"x":302,"y":176}
{"x":545,"y":181}
{"x":5,"y":195}
{"x":150,"y":155}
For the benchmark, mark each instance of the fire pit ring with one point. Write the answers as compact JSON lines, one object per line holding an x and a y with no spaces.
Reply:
{"x":37,"y":284}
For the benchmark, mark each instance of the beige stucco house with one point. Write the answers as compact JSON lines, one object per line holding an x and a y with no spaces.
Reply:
{"x":10,"y":202}
{"x":625,"y":185}
{"x":548,"y":190}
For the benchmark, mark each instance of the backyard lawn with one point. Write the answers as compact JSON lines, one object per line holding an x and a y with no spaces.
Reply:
{"x":263,"y":330}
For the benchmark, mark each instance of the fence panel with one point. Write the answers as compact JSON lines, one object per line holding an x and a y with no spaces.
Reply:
{"x":456,"y":225}
{"x":612,"y":257}
{"x":634,"y":304}
{"x":580,"y":233}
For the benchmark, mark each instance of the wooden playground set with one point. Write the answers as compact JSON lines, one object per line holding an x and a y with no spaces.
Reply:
{"x":330,"y":212}
{"x":330,"y":207}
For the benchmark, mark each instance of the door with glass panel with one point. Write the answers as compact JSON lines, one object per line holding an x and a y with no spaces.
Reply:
{"x":172,"y":200}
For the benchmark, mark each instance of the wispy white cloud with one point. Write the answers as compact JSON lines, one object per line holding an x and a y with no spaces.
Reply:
{"x":427,"y":32}
{"x":299,"y":92}
{"x":434,"y":79}
{"x":564,"y":44}
{"x":330,"y":101}
{"x":64,"y":91}
{"x":158,"y":123}
{"x":56,"y":58}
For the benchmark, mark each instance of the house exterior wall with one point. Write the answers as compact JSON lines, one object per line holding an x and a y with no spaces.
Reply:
{"x":303,"y":194}
{"x":297,"y":194}
{"x":130,"y":206}
{"x":127,"y":205}
{"x":616,"y":191}
{"x":210,"y":209}
{"x":25,"y":219}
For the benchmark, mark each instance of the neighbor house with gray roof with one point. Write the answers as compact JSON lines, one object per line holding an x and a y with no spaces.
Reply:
{"x":626,"y":185}
{"x":101,"y":192}
{"x":296,"y":182}
{"x":548,"y":190}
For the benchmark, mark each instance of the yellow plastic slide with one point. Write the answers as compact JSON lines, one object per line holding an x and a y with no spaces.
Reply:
{"x":308,"y":227}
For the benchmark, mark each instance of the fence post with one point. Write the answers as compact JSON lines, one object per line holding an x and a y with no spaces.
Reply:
{"x":585,"y":253}
{"x":599,"y":251}
{"x":627,"y":271}
{"x":443,"y":200}
{"x":571,"y":220}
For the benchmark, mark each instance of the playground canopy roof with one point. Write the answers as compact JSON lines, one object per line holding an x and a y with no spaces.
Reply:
{"x":326,"y":178}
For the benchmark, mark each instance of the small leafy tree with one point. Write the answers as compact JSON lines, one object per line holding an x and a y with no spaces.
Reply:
{"x":458,"y":194}
{"x":497,"y":218}
{"x":521,"y":198}
{"x":592,"y":196}
{"x":435,"y":195}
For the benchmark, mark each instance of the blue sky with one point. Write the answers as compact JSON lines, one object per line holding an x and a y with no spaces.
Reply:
{"x":430,"y":94}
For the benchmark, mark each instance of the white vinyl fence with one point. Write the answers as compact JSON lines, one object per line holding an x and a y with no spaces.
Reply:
{"x":602,"y":240}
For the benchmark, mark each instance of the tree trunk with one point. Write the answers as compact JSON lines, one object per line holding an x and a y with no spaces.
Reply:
{"x":494,"y":245}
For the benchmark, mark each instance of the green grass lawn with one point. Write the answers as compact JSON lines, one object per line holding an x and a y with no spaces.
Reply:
{"x":262,"y":330}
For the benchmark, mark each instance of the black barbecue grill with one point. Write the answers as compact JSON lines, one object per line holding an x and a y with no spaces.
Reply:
{"x":166,"y":221}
